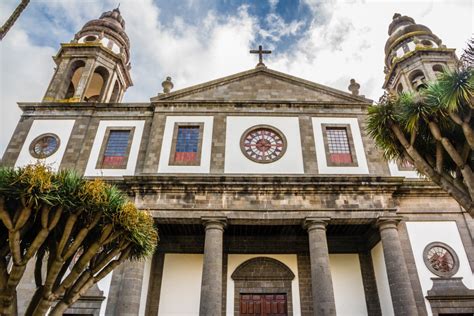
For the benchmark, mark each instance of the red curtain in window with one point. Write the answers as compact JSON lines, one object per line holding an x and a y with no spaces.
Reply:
{"x":114,"y":160}
{"x":340,"y":158}
{"x":185,"y":156}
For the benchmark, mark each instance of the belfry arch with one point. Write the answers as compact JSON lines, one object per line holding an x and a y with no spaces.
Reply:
{"x":73,"y":77}
{"x":98,"y":82}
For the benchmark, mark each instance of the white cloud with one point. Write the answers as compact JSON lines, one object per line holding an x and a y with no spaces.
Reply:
{"x":350,"y":44}
{"x":189,"y":54}
{"x":273,"y":4}
{"x":280,"y":28}
{"x":26,"y":70}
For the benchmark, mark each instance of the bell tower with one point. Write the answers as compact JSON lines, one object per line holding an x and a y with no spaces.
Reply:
{"x":95,"y":65}
{"x":413,"y":56}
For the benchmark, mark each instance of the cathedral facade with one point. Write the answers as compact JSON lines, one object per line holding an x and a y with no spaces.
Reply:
{"x":268,"y":194}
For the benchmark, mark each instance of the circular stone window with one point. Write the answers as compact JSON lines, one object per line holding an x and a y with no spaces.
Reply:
{"x":441,"y":259}
{"x":44,"y":145}
{"x":263,"y":144}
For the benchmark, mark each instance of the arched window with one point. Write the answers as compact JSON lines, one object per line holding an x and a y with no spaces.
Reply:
{"x":73,"y":77}
{"x":438,"y":69}
{"x":97,"y":84}
{"x":426,"y":43}
{"x":115,"y":92}
{"x":418,"y":80}
{"x":90,"y":38}
{"x":400,"y":88}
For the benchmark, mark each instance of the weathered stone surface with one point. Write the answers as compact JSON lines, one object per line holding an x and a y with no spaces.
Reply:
{"x":403,"y":299}
{"x":211,"y":287}
{"x":125,"y":289}
{"x":323,"y":292}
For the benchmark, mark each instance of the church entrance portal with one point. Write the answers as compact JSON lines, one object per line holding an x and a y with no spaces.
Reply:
{"x":262,"y":287}
{"x":263,"y":305}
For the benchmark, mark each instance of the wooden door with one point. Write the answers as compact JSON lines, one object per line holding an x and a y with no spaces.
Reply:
{"x":263,"y":305}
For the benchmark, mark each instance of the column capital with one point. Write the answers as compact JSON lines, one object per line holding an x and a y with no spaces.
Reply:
{"x":311,"y":223}
{"x":214,"y":222}
{"x":384,"y":222}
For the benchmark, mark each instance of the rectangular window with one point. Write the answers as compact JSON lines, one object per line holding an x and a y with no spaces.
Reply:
{"x":338,"y":143}
{"x":187,"y":143}
{"x":186,"y":147}
{"x":115,"y":149}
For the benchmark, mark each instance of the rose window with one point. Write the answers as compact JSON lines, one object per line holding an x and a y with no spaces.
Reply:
{"x":263,"y":144}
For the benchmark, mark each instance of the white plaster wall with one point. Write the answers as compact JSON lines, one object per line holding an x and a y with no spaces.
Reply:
{"x":205,"y":165}
{"x":235,"y":161}
{"x":347,"y":283}
{"x":62,"y":128}
{"x":423,"y":233}
{"x":181,"y":285}
{"x":321,"y":152}
{"x":394,"y":171}
{"x":104,"y":285}
{"x":145,"y":283}
{"x":381,"y":279}
{"x":289,"y":260}
{"x":132,"y":158}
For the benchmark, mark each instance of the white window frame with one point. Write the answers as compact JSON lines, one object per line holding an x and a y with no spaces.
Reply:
{"x":323,"y":167}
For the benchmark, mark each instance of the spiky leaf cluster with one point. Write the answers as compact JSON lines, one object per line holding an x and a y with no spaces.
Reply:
{"x":35,"y":186}
{"x":434,"y":130}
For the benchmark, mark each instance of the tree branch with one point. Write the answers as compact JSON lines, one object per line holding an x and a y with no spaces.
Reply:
{"x":425,"y":168}
{"x":12,"y":19}
{"x":455,"y":156}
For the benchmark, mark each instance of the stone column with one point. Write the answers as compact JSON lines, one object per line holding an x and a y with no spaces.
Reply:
{"x":321,"y":280}
{"x":211,"y":285}
{"x":126,"y":289}
{"x":403,"y":299}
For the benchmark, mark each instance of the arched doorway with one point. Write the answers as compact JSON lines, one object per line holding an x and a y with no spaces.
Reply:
{"x":262,"y":287}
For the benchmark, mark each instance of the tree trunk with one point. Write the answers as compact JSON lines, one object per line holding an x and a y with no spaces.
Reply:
{"x":8,"y":304}
{"x":462,"y":198}
{"x":12,"y":19}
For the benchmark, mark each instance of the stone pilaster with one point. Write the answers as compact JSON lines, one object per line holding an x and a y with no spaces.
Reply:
{"x":403,"y":299}
{"x":321,"y":280}
{"x":211,"y":286}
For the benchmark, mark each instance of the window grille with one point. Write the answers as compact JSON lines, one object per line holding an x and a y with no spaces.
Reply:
{"x":115,"y":153}
{"x":338,"y":143}
{"x":187,"y":144}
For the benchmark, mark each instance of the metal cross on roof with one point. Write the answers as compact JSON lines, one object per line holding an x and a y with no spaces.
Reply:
{"x":260,"y":53}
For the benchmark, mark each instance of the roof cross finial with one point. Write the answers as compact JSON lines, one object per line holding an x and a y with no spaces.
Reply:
{"x":260,"y":53}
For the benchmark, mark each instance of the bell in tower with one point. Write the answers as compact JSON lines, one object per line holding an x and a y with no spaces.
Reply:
{"x":413,"y":56}
{"x":95,"y":66}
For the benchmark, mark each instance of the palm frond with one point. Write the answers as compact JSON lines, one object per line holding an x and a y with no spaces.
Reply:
{"x":456,"y":88}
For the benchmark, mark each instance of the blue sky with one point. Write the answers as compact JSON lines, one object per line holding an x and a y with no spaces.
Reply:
{"x":194,"y":41}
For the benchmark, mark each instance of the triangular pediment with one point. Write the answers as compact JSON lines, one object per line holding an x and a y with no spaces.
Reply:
{"x":261,"y":84}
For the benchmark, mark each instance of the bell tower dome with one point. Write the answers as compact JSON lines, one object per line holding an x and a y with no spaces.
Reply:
{"x":413,"y":56}
{"x":95,"y":65}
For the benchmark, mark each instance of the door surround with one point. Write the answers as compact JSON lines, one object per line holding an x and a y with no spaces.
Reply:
{"x":262,"y":275}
